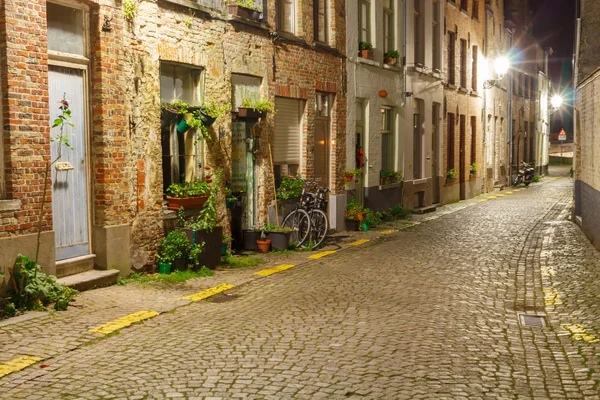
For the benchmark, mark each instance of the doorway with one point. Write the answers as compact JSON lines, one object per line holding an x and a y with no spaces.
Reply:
{"x":461,"y":158}
{"x":435,"y":143}
{"x":70,"y":215}
{"x":322,"y":139}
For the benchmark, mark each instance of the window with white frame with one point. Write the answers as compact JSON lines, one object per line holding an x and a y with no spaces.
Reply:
{"x":66,"y":30}
{"x":388,"y":25}
{"x":244,"y":87}
{"x":364,"y":20}
{"x":419,"y":43}
{"x":286,"y":16}
{"x":178,"y":82}
{"x":387,"y":139}
{"x":436,"y":48}
{"x":321,"y":11}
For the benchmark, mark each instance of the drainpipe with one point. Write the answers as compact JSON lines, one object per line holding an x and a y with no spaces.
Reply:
{"x":484,"y":111}
{"x":404,"y":52}
{"x":510,"y":117}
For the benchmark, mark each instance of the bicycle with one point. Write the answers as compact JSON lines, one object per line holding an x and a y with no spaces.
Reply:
{"x":319,"y":222}
{"x":298,"y":220}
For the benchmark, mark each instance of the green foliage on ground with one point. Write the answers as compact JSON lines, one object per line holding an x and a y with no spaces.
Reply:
{"x":536,"y":178}
{"x":240,"y":261}
{"x":172,"y":278}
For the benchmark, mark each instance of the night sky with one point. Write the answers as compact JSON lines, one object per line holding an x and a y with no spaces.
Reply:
{"x":554,"y":26}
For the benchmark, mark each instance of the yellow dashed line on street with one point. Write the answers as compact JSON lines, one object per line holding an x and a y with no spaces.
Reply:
{"x":17,"y":364}
{"x":551,"y":296}
{"x":322,"y":254}
{"x":578,"y":332}
{"x":271,"y":271}
{"x":499,"y":195}
{"x":359,"y":242}
{"x":123,"y":322}
{"x":208,"y":292}
{"x":388,"y":232}
{"x":509,"y":192}
{"x":491,"y":197}
{"x":517,"y":190}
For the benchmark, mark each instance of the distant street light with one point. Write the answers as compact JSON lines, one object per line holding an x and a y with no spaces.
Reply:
{"x":556,"y":101}
{"x":501,"y":66}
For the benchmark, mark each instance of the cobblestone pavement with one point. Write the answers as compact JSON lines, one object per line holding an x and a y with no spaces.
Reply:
{"x":427,"y":312}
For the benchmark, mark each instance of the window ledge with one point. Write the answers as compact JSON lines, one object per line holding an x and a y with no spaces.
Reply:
{"x":463,"y":12}
{"x":390,"y":186}
{"x":419,"y":181}
{"x":452,"y":3}
{"x":462,"y":89}
{"x":252,"y":22}
{"x":292,"y":38}
{"x":451,"y":86}
{"x":10,"y":205}
{"x":327,"y":48}
{"x":475,"y":19}
{"x":392,"y":67}
{"x":474,"y":93}
{"x":368,"y":62}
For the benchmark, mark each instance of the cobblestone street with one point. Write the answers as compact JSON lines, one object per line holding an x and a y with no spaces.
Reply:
{"x":427,"y":312}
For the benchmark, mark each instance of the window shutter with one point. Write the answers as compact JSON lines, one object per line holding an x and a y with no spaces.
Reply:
{"x":286,"y":145}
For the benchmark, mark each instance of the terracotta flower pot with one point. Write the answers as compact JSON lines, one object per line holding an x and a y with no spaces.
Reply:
{"x":390,"y":60}
{"x":263,"y":245}
{"x":368,"y":54}
{"x":348,"y":177}
{"x":188,"y":203}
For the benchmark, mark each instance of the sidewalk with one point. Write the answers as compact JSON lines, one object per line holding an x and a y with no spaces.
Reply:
{"x":44,"y":335}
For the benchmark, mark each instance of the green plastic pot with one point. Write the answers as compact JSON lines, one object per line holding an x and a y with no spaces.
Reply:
{"x":164,"y":268}
{"x":224,"y":249}
{"x":183,"y":126}
{"x":364,"y":227}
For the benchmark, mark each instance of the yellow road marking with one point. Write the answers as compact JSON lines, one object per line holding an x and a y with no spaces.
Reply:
{"x":271,"y":271}
{"x":123,"y":322}
{"x":359,"y":242}
{"x":322,"y":254}
{"x":17,"y":364}
{"x":482,"y":200}
{"x":509,"y":192}
{"x":578,"y":332}
{"x":500,"y":195}
{"x":208,"y":292}
{"x":517,"y":190}
{"x":389,"y":231}
{"x":551,"y":296}
{"x":491,"y":197}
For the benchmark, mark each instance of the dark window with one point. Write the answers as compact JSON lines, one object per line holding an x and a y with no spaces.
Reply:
{"x":463,"y":5}
{"x":450,"y":143}
{"x":474,"y":69}
{"x":463,"y":63}
{"x":475,"y":12}
{"x":451,"y":58}
{"x":473,"y":140}
{"x":321,"y":21}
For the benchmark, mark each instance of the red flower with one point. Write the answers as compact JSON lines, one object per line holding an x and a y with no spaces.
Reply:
{"x":64,"y":102}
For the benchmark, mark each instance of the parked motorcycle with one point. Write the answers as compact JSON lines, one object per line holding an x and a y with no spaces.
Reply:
{"x":525,"y":174}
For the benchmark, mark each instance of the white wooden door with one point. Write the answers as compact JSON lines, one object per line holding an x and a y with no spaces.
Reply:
{"x":69,"y":187}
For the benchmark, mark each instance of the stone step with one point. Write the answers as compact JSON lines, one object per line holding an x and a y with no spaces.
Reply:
{"x":425,"y":210}
{"x":90,"y":279}
{"x":76,"y":265}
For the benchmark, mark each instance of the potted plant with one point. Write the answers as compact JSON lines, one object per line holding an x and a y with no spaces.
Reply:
{"x":349,"y":174}
{"x":190,"y":195}
{"x":451,"y":174}
{"x":473,"y":169}
{"x":279,"y":237}
{"x":250,"y":236}
{"x":263,"y":243}
{"x":226,"y":237}
{"x":391,"y":57}
{"x":196,"y":117}
{"x":172,"y":248}
{"x":205,"y":228}
{"x":209,"y":112}
{"x":355,"y":215}
{"x":251,"y":108}
{"x":386,"y":177}
{"x":366,"y":50}
{"x":230,"y":199}
{"x":244,"y":8}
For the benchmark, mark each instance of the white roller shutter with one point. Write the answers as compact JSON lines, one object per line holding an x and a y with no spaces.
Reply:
{"x":286,"y":145}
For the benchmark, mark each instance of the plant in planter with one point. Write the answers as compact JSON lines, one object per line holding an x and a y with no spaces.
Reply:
{"x":251,"y":108}
{"x":355,"y":214}
{"x":473,"y":169}
{"x":244,"y":8}
{"x":226,"y":238}
{"x":250,"y":236}
{"x":387,"y":177}
{"x":230,"y":199}
{"x":263,"y":243}
{"x":201,"y":117}
{"x":366,"y":50}
{"x":205,"y":229}
{"x":391,"y":57}
{"x":175,"y":247}
{"x":451,"y":174}
{"x":349,"y":174}
{"x":279,"y":237}
{"x":187,"y":194}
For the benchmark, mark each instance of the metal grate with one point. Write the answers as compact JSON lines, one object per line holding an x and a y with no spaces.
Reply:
{"x":536,"y":321}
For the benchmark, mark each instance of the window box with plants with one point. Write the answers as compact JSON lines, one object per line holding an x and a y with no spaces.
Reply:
{"x":387,"y":177}
{"x":365,"y":50}
{"x":473,"y":170}
{"x":189,"y":195}
{"x":391,"y":57}
{"x":350,"y":174}
{"x":244,"y":8}
{"x":279,"y":237}
{"x":255,"y":109}
{"x":451,"y":174}
{"x":205,"y":229}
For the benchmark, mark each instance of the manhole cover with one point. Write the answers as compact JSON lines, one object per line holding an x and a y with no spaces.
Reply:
{"x":223,"y":298}
{"x":536,"y":321}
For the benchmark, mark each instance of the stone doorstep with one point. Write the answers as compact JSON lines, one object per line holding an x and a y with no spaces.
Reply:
{"x":425,"y":210}
{"x":90,"y":279}
{"x":76,"y":265}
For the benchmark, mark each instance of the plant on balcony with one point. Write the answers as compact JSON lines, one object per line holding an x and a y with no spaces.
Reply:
{"x":391,"y":57}
{"x":451,"y":174}
{"x":251,"y":108}
{"x":473,"y":169}
{"x":349,"y":174}
{"x":366,"y":50}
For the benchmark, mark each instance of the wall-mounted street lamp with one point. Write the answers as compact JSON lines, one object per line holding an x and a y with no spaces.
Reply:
{"x":556,"y":102}
{"x":501,"y":65}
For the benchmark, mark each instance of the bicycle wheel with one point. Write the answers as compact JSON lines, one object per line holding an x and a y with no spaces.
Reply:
{"x":299,"y":222}
{"x":319,"y":225}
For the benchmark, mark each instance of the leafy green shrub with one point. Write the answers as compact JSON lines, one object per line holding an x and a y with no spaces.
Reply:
{"x":392,"y":54}
{"x":290,"y":188}
{"x":451,"y":174}
{"x":9,"y":310}
{"x":188,"y":189}
{"x":32,"y":289}
{"x":365,"y":46}
{"x":258,"y":106}
{"x":207,"y":217}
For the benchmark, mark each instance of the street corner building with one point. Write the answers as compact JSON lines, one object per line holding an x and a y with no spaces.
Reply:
{"x":587,"y":111}
{"x":119,"y":64}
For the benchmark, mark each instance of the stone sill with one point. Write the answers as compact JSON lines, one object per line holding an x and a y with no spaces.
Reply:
{"x":463,"y":12}
{"x":474,"y":93}
{"x":392,"y":67}
{"x":10,"y":205}
{"x":390,"y":186}
{"x":254,"y":23}
{"x":419,"y":181}
{"x":462,"y":89}
{"x":451,"y":86}
{"x":368,"y":62}
{"x":326,"y":48}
